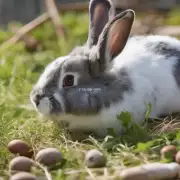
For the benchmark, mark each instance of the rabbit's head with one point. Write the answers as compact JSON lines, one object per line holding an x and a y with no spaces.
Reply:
{"x":107,"y":37}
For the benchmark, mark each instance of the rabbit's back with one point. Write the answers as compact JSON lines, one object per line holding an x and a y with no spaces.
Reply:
{"x":153,"y":64}
{"x":151,"y":57}
{"x":149,"y":49}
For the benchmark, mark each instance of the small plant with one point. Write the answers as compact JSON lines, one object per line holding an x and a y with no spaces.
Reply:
{"x":133,"y":133}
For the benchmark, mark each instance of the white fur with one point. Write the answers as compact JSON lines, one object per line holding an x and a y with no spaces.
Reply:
{"x":152,"y":78}
{"x":44,"y":106}
{"x":148,"y":72}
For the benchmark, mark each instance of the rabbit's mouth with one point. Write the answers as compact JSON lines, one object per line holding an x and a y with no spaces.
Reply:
{"x":48,"y":105}
{"x":43,"y":106}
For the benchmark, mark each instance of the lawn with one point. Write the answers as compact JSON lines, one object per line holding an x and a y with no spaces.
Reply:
{"x":20,"y":69}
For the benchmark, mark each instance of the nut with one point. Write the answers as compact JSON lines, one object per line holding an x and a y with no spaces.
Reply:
{"x":23,"y":176}
{"x":21,"y":163}
{"x":168,"y":152}
{"x":177,"y":158}
{"x":94,"y":159}
{"x":49,"y":156}
{"x":20,"y":147}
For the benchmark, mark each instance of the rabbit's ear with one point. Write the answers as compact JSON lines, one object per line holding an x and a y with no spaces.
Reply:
{"x":115,"y":35}
{"x":100,"y":11}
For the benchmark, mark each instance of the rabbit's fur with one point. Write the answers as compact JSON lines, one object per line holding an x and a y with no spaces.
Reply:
{"x":112,"y":73}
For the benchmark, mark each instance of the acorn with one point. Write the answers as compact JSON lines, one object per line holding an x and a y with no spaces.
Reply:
{"x":20,"y":147}
{"x":169,"y":152}
{"x":49,"y":156}
{"x":21,"y":163}
{"x":177,"y":158}
{"x":95,"y":159}
{"x":23,"y":176}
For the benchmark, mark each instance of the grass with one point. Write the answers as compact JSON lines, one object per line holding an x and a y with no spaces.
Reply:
{"x":19,"y":70}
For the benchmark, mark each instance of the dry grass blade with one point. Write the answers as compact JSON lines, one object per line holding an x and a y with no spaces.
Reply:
{"x":169,"y":124}
{"x":90,"y":173}
{"x":54,"y":14}
{"x":48,"y":175}
{"x":24,"y":30}
{"x":31,"y":43}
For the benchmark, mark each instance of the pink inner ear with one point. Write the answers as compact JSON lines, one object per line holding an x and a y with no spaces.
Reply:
{"x":118,"y":34}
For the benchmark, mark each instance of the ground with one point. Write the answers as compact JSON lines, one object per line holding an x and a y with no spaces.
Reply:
{"x":19,"y":70}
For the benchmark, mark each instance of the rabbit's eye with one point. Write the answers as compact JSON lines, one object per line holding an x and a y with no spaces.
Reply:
{"x":68,"y":80}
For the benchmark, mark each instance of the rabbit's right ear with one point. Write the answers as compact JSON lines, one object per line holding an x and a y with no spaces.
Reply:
{"x":114,"y":37}
{"x":100,"y":12}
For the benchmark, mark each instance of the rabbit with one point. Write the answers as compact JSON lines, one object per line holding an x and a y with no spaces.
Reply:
{"x":111,"y":73}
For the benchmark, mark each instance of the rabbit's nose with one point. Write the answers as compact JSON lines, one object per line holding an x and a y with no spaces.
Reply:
{"x":37,"y":99}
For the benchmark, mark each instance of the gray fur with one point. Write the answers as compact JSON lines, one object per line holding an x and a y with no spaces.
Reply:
{"x":49,"y":87}
{"x":168,"y":51}
{"x":97,"y":92}
{"x":164,"y":49}
{"x":95,"y":28}
{"x":177,"y":71}
{"x":92,"y":92}
{"x":97,"y":87}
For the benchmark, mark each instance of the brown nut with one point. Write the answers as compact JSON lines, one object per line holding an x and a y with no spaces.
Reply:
{"x":169,"y":152}
{"x":177,"y":158}
{"x":23,"y":176}
{"x":21,"y":163}
{"x":95,"y":158}
{"x":49,"y":156}
{"x":20,"y":147}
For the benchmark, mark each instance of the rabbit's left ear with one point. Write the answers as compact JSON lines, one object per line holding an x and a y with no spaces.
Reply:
{"x":115,"y":35}
{"x":100,"y":12}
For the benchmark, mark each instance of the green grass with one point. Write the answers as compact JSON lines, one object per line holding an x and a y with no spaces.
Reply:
{"x":20,"y":69}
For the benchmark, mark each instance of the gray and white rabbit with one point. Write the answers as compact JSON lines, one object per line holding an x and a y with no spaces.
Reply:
{"x":111,"y":73}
